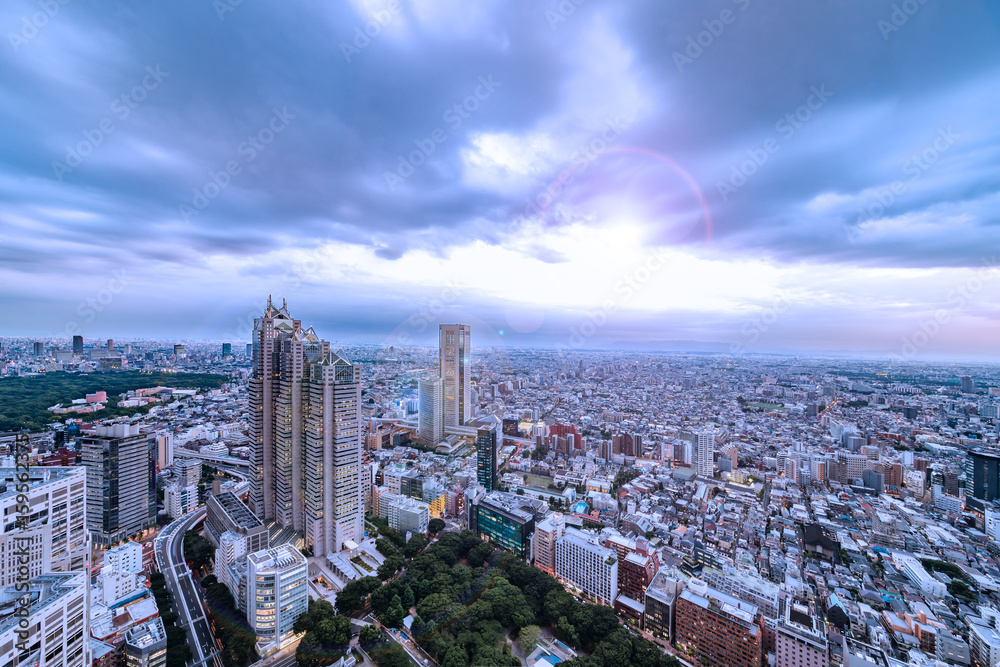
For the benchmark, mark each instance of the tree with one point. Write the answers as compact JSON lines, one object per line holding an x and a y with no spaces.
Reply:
{"x":528,"y":638}
{"x":393,"y":564}
{"x":393,"y":618}
{"x":370,"y":634}
{"x":435,"y":526}
{"x":479,"y":554}
{"x":407,"y":598}
{"x":352,"y":597}
{"x":456,"y":657}
{"x":415,"y":545}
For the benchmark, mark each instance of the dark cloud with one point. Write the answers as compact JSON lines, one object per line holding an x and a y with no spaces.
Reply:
{"x":195,"y":103}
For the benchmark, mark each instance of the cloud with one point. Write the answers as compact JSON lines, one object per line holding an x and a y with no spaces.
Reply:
{"x":522,"y":188}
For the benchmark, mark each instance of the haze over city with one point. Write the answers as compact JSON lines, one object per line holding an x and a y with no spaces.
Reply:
{"x":733,"y":176}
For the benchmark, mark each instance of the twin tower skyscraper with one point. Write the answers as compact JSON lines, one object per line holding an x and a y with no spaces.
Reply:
{"x":305,"y":427}
{"x":305,"y":434}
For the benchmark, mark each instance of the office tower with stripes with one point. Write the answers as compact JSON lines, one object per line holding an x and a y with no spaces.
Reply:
{"x":305,"y":434}
{"x":455,"y":361}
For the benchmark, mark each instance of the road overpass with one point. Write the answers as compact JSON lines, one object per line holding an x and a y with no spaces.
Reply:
{"x":169,"y":550}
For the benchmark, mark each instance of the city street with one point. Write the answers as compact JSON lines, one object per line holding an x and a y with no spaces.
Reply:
{"x":187,"y":601}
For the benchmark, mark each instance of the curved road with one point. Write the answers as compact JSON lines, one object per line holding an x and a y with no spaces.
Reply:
{"x":169,"y":551}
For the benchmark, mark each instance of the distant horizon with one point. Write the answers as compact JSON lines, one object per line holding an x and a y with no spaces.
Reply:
{"x":648,"y":348}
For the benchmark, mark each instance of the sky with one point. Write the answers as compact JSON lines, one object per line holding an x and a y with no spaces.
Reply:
{"x":731,"y":175}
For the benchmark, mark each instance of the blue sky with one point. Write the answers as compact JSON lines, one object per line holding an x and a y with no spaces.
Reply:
{"x":762,"y":176}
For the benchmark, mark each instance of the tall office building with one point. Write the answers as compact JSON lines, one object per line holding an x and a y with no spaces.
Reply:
{"x":455,"y":364}
{"x":47,"y":560}
{"x":547,"y":533}
{"x":78,"y":345}
{"x":968,"y":387}
{"x":305,"y":434}
{"x":985,"y":475}
{"x":227,"y":349}
{"x":431,"y":419}
{"x":121,"y":482}
{"x":486,"y":457}
{"x":277,"y":592}
{"x":38,"y":348}
{"x":706,"y":453}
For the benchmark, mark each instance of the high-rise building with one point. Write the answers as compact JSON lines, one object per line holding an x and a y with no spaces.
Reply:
{"x":187,"y":471}
{"x":78,"y":345}
{"x":179,"y":350}
{"x":227,"y":349}
{"x":801,"y":638}
{"x":121,"y":482}
{"x":277,"y":592}
{"x":407,"y":514}
{"x":111,"y":344}
{"x":57,"y":540}
{"x":54,"y":631}
{"x":431,"y":410}
{"x":506,"y":520}
{"x":590,"y":566}
{"x":720,"y":629}
{"x":39,"y":348}
{"x":164,"y":450}
{"x":486,"y":457}
{"x":47,"y":560}
{"x":547,"y":533}
{"x":305,"y":434}
{"x":706,"y":453}
{"x":985,"y":475}
{"x":455,"y":368}
{"x":146,"y":644}
{"x":968,"y":386}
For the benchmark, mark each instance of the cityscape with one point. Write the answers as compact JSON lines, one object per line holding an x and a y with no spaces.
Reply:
{"x":505,"y":333}
{"x":282,"y":501}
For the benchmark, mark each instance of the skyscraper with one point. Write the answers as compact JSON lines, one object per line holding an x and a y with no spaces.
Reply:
{"x":121,"y":482}
{"x":77,"y":345}
{"x":486,"y":457}
{"x":454,"y":357}
{"x":305,"y":434}
{"x":968,"y":387}
{"x":706,"y":453}
{"x":985,"y":475}
{"x":431,"y":418}
{"x":227,"y":349}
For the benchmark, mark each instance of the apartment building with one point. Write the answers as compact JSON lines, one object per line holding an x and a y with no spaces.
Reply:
{"x":593,"y":568}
